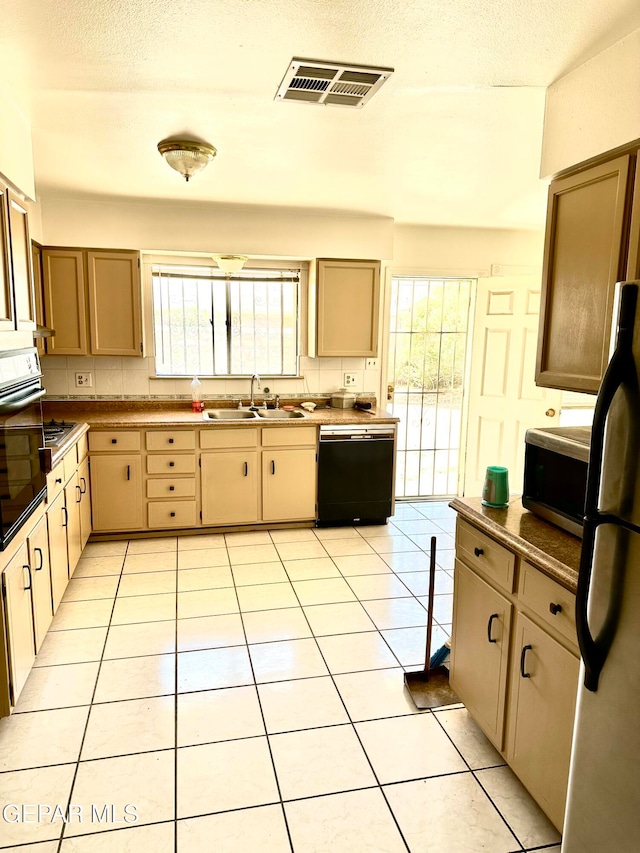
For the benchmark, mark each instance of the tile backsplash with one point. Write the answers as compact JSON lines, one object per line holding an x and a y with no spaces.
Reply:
{"x":134,"y":378}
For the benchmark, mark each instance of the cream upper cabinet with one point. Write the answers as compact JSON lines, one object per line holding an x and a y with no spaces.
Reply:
{"x":289,"y":484}
{"x":348,"y":304}
{"x":93,"y":301}
{"x":591,"y":242}
{"x":24,"y":299}
{"x":7,"y":323}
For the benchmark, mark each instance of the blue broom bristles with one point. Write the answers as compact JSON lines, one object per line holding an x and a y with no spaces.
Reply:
{"x":440,"y":656}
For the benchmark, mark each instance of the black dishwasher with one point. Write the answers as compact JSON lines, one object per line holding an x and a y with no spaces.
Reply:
{"x":355,"y":474}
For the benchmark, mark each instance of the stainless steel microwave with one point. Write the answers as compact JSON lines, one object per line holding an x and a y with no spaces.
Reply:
{"x":555,"y":475}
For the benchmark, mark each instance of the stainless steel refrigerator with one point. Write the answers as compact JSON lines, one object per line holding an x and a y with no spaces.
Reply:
{"x":603,"y":802}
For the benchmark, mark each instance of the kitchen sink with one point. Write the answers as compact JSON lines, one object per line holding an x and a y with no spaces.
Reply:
{"x":228,"y":414}
{"x":279,"y":414}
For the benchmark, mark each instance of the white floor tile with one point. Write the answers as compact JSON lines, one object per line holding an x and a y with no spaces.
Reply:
{"x":393,"y":545}
{"x":82,"y":614}
{"x":207,"y":602}
{"x":201,"y":541}
{"x":240,"y":555}
{"x":356,"y":652}
{"x":523,"y":815}
{"x":137,"y":725}
{"x":313,"y":569}
{"x":347,"y":547}
{"x":136,"y":678}
{"x":368,"y":587}
{"x":44,"y":785}
{"x":347,"y":618}
{"x":96,"y":567}
{"x":285,"y":660}
{"x":206,"y":785}
{"x":202,"y":558}
{"x":396,"y":613}
{"x":250,"y":537}
{"x":268,"y":596}
{"x":210,"y":632}
{"x":293,"y":535}
{"x":320,"y":761}
{"x":429,"y":814}
{"x":326,"y":533}
{"x":374,"y":694}
{"x":153,"y":545}
{"x":79,"y":646}
{"x":409,"y":644}
{"x":361,"y":564}
{"x":325,"y":591}
{"x":257,"y":573}
{"x":305,"y":704}
{"x":403,"y":748}
{"x":213,"y":668}
{"x":266,"y":626}
{"x":63,"y":686}
{"x":145,"y":781}
{"x":140,"y":563}
{"x":216,"y":715}
{"x":344,"y":823}
{"x":144,"y":608}
{"x":407,"y":561}
{"x":262,"y":828}
{"x":147,"y":583}
{"x":26,"y":739}
{"x":105,"y":549}
{"x":301,"y":550}
{"x":471,"y":742}
{"x":88,"y":589}
{"x":151,"y":638}
{"x":157,"y":837}
{"x":216,"y":577}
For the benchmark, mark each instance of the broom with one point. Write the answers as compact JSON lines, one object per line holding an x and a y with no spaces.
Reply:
{"x":429,"y":687}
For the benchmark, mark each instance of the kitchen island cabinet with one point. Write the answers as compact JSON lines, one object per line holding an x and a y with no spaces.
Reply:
{"x":591,"y":242}
{"x":514,"y":659}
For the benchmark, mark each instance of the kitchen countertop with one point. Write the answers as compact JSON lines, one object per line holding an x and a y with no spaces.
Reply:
{"x":554,"y":552}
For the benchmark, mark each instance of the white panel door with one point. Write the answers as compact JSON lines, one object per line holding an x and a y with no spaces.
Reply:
{"x":504,"y":400}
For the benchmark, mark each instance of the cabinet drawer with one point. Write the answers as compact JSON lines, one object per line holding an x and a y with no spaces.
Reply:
{"x":55,"y":482}
{"x":117,"y":440}
{"x":288,"y":436}
{"x":172,"y":514}
{"x":485,"y":556}
{"x":171,"y":440}
{"x":168,"y":487}
{"x":221,"y":438}
{"x":554,"y":604}
{"x":168,"y":463}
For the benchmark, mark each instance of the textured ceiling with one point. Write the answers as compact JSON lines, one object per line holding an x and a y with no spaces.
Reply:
{"x":453,"y":137}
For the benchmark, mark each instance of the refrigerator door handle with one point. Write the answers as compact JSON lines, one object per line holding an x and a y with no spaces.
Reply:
{"x":620,"y":372}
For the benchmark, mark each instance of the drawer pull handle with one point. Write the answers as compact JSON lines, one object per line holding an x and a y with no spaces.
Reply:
{"x":523,"y":672}
{"x":114,"y":441}
{"x":38,"y":551}
{"x":172,"y":514}
{"x":246,"y":469}
{"x":171,"y":464}
{"x":83,"y":487}
{"x":273,"y":467}
{"x":28,"y":568}
{"x":58,"y":479}
{"x":170,"y":441}
{"x":555,"y":608}
{"x":478,"y":552}
{"x":489,"y":625}
{"x":172,"y":488}
{"x":79,"y":492}
{"x":128,"y":472}
{"x":66,"y":516}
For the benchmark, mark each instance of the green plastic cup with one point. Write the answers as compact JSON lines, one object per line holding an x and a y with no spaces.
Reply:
{"x":495,"y":491}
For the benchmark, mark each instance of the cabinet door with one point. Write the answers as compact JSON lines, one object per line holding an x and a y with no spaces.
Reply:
{"x":584,"y":257}
{"x":544,"y":684}
{"x":116,"y":492}
{"x":348,"y":308}
{"x":229,"y":487}
{"x":480,"y":648}
{"x":7,"y":322}
{"x":64,"y":301}
{"x":72,"y":501}
{"x":289,"y":484}
{"x":38,"y":546}
{"x":58,"y":559}
{"x":25,"y":309}
{"x":17,"y":592}
{"x":36,"y":268}
{"x":85,"y":503}
{"x":115,"y":318}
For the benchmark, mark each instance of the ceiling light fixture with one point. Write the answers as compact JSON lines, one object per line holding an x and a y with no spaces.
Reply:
{"x":186,"y":156}
{"x":230,"y":263}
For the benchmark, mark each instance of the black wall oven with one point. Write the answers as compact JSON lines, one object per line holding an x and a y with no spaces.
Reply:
{"x":22,"y":474}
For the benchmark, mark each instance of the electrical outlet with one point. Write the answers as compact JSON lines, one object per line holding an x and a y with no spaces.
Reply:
{"x":372,"y":364}
{"x":349,"y":379}
{"x":84,"y":380}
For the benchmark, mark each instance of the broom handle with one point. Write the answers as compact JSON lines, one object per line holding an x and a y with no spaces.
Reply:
{"x":432,"y":585}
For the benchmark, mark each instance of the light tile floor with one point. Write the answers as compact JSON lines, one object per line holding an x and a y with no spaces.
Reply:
{"x":244,"y":692}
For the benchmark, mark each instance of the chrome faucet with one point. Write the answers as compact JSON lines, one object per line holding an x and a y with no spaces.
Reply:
{"x":254,"y":378}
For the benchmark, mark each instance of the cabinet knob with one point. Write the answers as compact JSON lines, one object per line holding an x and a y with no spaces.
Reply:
{"x":172,"y":488}
{"x":58,"y":479}
{"x":555,"y":608}
{"x":170,"y":441}
{"x":550,"y":413}
{"x":478,"y":552}
{"x":114,"y":441}
{"x":172,"y":514}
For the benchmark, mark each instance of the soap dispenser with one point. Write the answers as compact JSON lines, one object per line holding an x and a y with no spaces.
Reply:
{"x":196,"y":395}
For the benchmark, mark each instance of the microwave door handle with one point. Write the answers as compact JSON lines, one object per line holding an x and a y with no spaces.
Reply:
{"x":17,"y":401}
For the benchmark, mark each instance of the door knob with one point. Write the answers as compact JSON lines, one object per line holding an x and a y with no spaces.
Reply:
{"x":550,"y":413}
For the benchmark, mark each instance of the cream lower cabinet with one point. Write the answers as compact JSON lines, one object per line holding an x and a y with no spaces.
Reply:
{"x":116,"y":488}
{"x":38,"y":551}
{"x":17,"y":581}
{"x":230,"y":487}
{"x":514,"y":662}
{"x":72,"y":502}
{"x":85,"y":502}
{"x":288,"y":484}
{"x":57,"y":538}
{"x":171,"y":478}
{"x":479,"y":667}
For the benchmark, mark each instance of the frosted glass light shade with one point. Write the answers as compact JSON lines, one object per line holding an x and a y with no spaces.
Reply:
{"x":188,"y":158}
{"x":230,"y":263}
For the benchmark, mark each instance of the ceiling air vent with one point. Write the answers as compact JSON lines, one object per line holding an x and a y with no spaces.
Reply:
{"x":312,"y":82}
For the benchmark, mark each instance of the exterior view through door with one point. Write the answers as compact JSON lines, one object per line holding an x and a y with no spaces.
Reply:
{"x":428,"y":327}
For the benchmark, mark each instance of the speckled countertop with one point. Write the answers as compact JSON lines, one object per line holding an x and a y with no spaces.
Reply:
{"x":117,"y":414}
{"x":550,"y":549}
